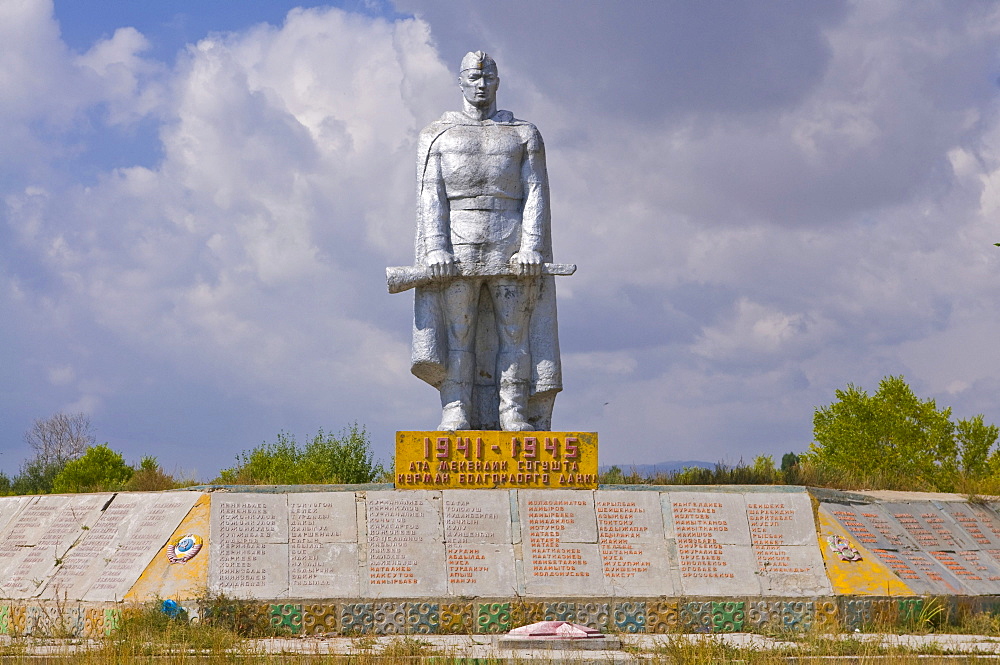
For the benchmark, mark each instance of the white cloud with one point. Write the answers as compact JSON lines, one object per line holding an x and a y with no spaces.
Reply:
{"x":239,"y":253}
{"x":62,"y":375}
{"x":780,"y":202}
{"x":752,"y":329}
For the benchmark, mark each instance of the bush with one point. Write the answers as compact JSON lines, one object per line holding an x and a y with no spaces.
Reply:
{"x":760,"y":472}
{"x":99,"y":470}
{"x":150,"y":477}
{"x":327,"y":459}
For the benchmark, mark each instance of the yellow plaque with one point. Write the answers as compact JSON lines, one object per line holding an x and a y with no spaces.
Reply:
{"x":496,"y":460}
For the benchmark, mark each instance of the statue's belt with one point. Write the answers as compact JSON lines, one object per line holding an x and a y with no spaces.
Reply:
{"x":485,"y":203}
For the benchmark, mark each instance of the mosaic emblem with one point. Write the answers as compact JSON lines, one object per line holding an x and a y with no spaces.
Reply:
{"x":184,"y":548}
{"x":843,"y":548}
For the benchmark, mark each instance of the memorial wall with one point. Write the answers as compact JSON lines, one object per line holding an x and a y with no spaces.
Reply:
{"x":86,"y":547}
{"x":505,"y":543}
{"x":932,"y":547}
{"x":612,"y":542}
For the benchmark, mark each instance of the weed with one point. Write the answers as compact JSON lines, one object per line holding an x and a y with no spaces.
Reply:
{"x":146,"y":629}
{"x":407,"y":650}
{"x":363,"y":643}
{"x":243,"y":617}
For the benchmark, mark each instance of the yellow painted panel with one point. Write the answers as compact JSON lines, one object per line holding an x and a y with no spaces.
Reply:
{"x":496,"y":460}
{"x":182,"y":580}
{"x":867,"y":577}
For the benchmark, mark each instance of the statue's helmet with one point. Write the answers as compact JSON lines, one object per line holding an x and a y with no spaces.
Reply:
{"x":478,"y":60}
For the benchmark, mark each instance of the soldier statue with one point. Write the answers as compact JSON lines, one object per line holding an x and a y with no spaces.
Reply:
{"x":484,"y":330}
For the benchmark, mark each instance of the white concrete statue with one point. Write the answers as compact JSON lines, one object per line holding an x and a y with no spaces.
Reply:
{"x":484,"y":328}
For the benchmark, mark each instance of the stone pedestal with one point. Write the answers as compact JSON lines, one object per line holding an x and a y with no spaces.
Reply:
{"x":489,"y":459}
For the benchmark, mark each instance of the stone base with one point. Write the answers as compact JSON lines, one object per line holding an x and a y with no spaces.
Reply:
{"x":602,"y":643}
{"x":618,"y":559}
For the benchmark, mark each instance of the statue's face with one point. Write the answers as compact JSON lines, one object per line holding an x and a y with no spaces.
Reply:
{"x":479,"y":86}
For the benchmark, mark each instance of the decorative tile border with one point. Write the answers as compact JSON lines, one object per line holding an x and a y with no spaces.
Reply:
{"x":286,"y":618}
{"x":423,"y":618}
{"x":771,"y":616}
{"x":242,"y":616}
{"x":389,"y":618}
{"x":101,"y":621}
{"x":524,"y":612}
{"x":319,"y":619}
{"x":630,"y":617}
{"x":456,"y":618}
{"x":910,"y":609}
{"x":593,"y":615}
{"x":797,"y":616}
{"x":493,"y":618}
{"x":560,"y":611}
{"x":865,"y":614}
{"x":357,"y":619}
{"x":19,"y":619}
{"x":827,"y":616}
{"x":696,"y":616}
{"x":728,"y":616}
{"x":764,"y":616}
{"x":662,"y":616}
{"x":57,"y":620}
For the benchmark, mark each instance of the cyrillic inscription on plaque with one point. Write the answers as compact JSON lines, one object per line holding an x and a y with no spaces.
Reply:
{"x":932,"y":575}
{"x":784,"y":543}
{"x":16,"y":532}
{"x":921,"y":544}
{"x":477,"y":531}
{"x":928,"y":526}
{"x":250,"y":539}
{"x":42,"y":534}
{"x":322,"y":545}
{"x":496,"y":460}
{"x":113,"y":553}
{"x":406,"y":552}
{"x":562,"y":555}
{"x":973,"y":568}
{"x":713,"y":543}
{"x":632,"y":544}
{"x":872,"y":526}
{"x":10,"y":507}
{"x":979,"y":524}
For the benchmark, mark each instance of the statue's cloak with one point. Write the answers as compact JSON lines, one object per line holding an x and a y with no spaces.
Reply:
{"x":430,"y":333}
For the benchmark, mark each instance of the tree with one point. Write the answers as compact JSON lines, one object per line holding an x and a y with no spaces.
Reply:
{"x":55,"y":440}
{"x":100,"y":469}
{"x":60,"y":438}
{"x":894,"y":439}
{"x":975,"y":438}
{"x":788,"y":462}
{"x":36,"y":477}
{"x":327,"y":459}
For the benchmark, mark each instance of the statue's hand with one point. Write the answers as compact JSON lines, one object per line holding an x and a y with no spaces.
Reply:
{"x":527,"y":263}
{"x":441,"y":263}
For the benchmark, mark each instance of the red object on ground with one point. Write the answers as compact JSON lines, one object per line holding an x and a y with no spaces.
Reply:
{"x":556,"y":630}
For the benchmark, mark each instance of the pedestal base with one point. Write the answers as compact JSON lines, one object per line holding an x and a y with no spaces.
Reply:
{"x":602,"y":643}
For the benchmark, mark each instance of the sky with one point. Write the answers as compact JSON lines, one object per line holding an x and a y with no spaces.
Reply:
{"x":766,"y":202}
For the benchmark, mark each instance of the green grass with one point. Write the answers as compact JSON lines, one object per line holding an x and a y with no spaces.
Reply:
{"x":235,"y":632}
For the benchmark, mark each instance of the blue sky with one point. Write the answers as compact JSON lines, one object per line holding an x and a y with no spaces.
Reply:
{"x":767,"y":201}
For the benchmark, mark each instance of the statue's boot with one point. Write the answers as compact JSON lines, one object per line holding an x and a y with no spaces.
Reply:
{"x":514,"y":391}
{"x":456,"y":392}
